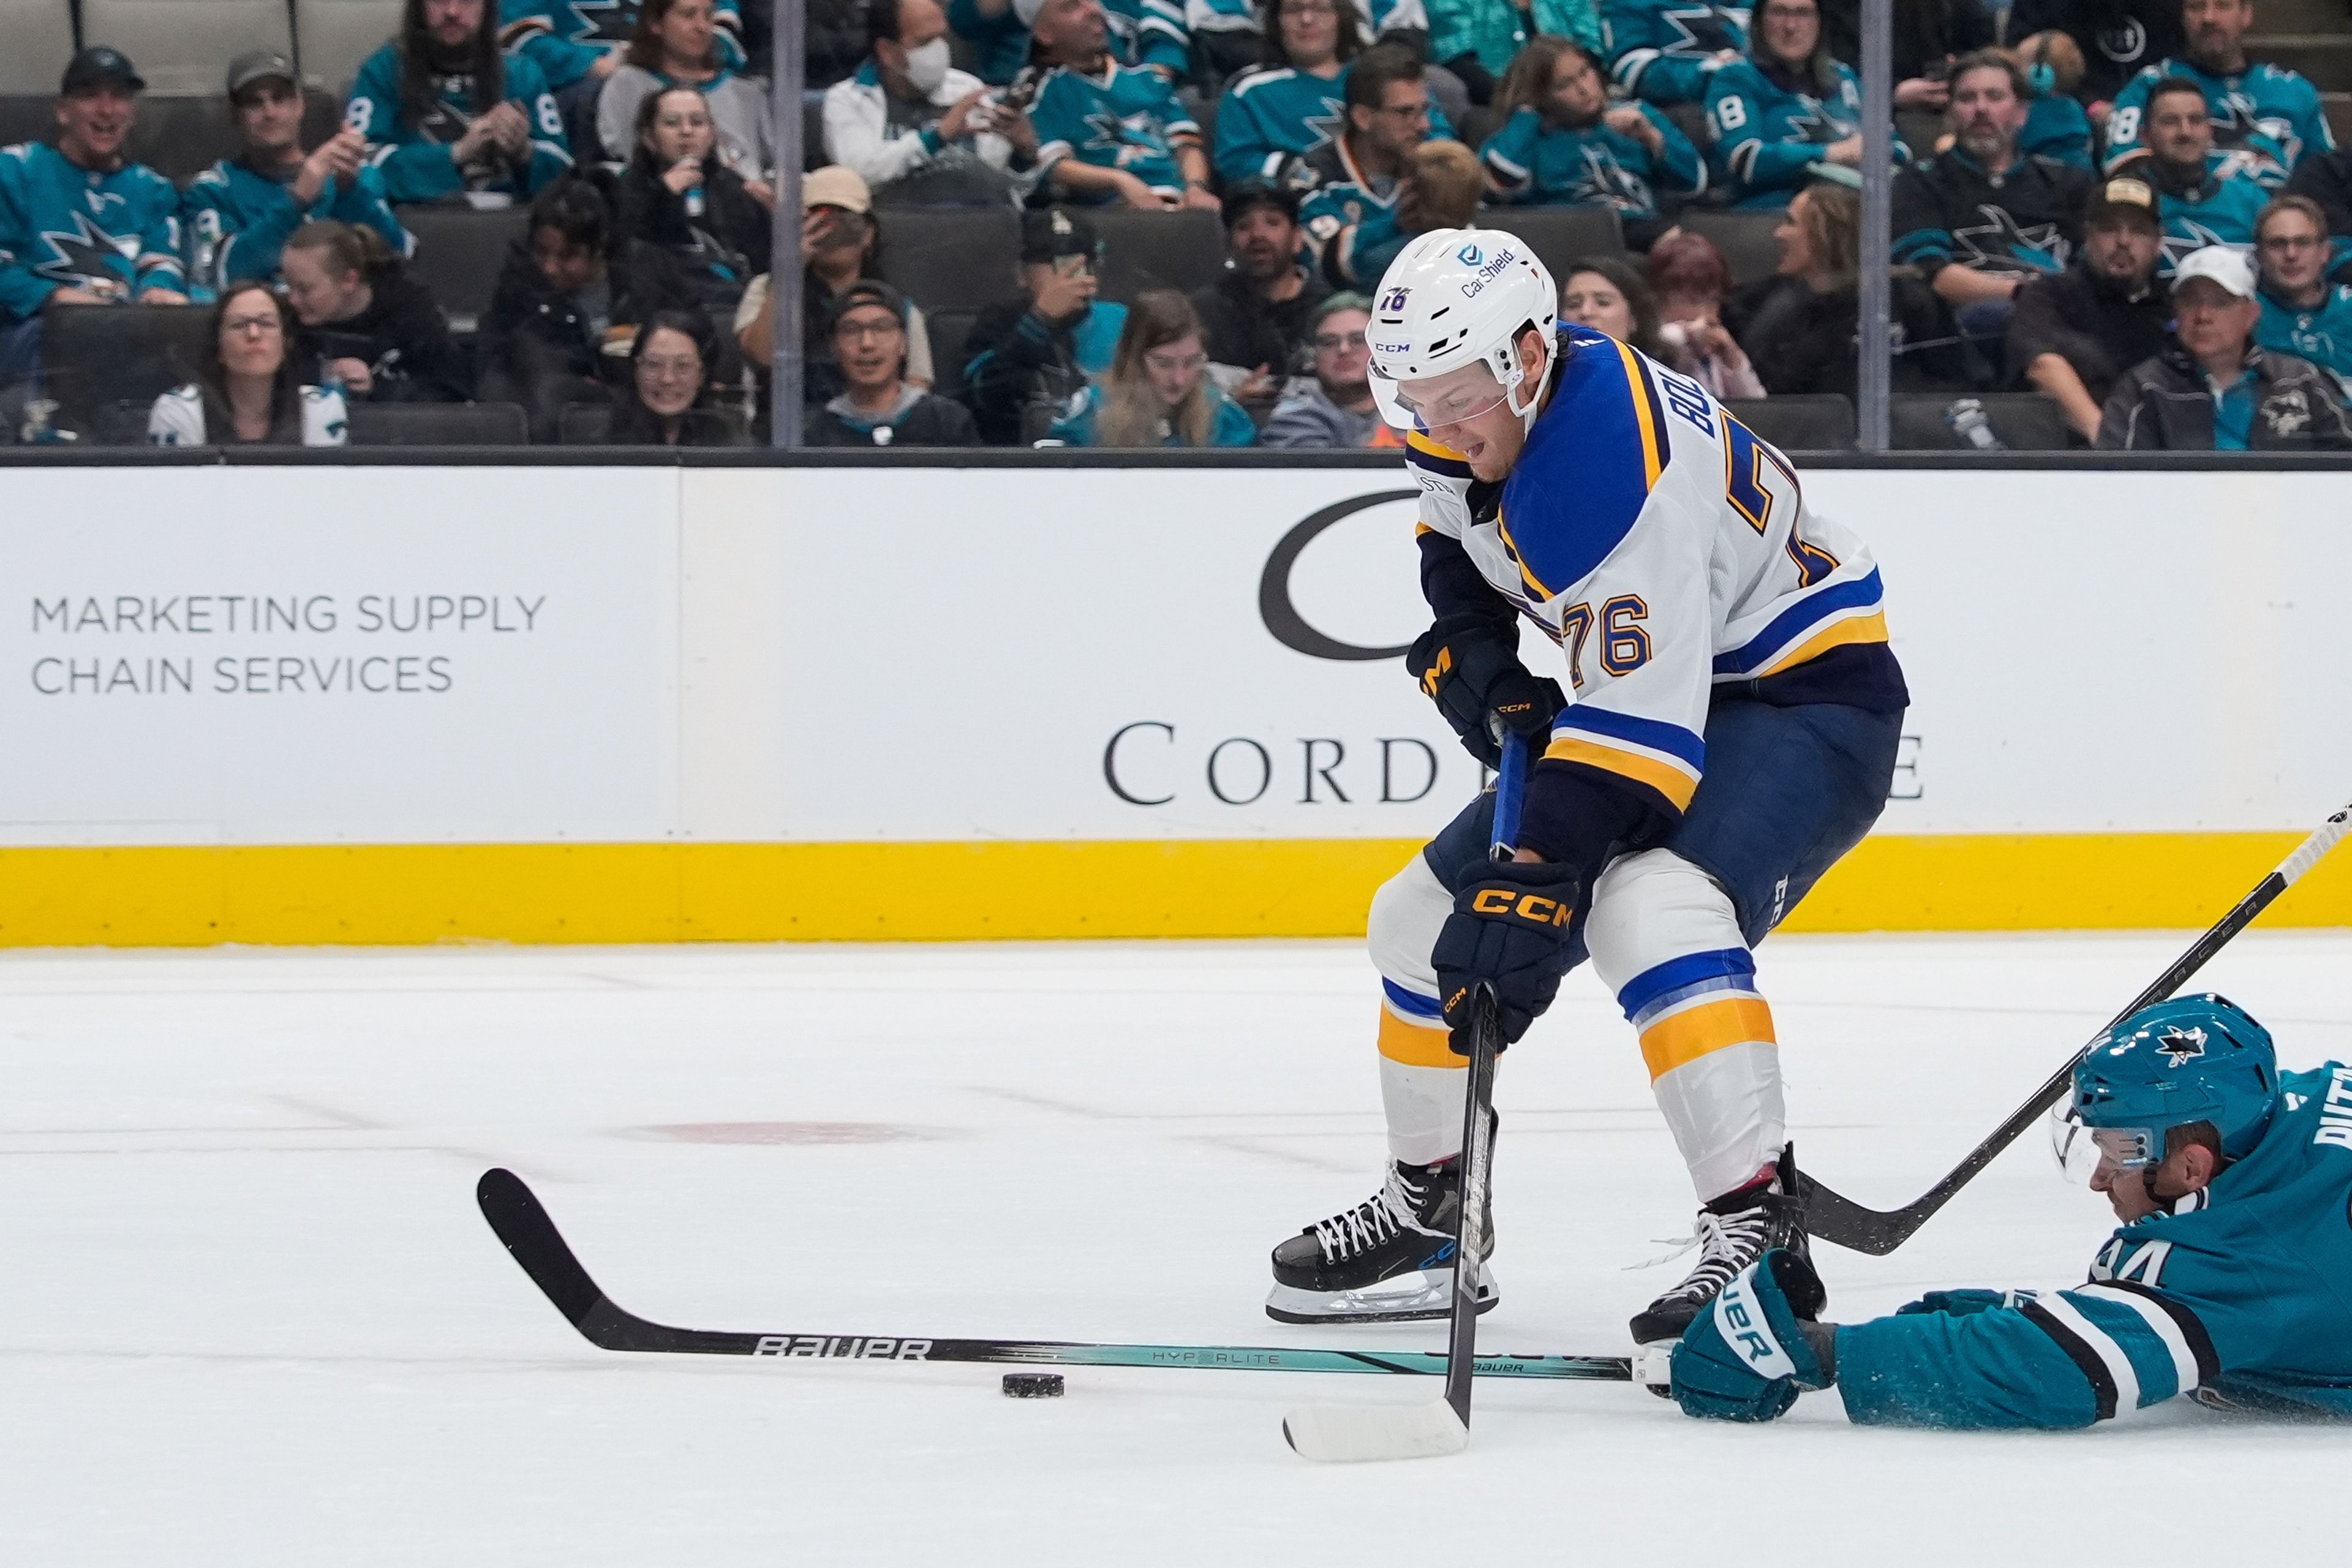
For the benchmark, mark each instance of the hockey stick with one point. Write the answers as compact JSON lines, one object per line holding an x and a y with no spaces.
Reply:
{"x":1835,"y":1219}
{"x":522,"y":1223}
{"x":1341,"y":1432}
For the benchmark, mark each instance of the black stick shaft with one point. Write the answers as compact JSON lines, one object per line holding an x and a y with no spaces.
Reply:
{"x":1833,"y":1218}
{"x":523,"y":1225}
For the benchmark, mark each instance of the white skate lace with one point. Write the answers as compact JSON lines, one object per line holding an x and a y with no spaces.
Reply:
{"x":1727,"y":1244}
{"x":1372,"y":1221}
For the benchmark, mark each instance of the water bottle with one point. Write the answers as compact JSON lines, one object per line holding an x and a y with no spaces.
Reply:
{"x":39,"y":427}
{"x":695,"y":201}
{"x":1967,"y":419}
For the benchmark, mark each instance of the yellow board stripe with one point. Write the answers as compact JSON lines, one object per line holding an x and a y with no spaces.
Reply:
{"x":1416,"y":1045}
{"x":375,"y":893}
{"x":1638,"y":384}
{"x":1683,"y":1038}
{"x":1871,"y":628}
{"x":1666,"y":779}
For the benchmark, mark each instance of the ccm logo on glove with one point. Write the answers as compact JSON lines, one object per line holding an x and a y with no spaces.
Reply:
{"x":1532,"y":908}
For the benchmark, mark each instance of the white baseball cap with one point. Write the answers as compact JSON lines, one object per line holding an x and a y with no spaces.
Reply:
{"x":2222,"y":264}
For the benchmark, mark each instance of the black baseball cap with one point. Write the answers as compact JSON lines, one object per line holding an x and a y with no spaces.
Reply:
{"x":1244,"y":196}
{"x":865,"y":292}
{"x":96,"y":66}
{"x":2123,"y":194}
{"x":1057,"y":232}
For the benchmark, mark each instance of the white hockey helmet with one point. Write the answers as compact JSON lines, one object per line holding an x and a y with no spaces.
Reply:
{"x":1458,"y":297}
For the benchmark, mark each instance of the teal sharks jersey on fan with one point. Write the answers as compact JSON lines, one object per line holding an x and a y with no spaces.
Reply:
{"x":1592,"y":166}
{"x":1662,"y":51}
{"x":2242,"y":1299}
{"x":64,"y":226}
{"x":2322,"y":335}
{"x":237,"y":218}
{"x":2219,"y":209}
{"x":1271,"y":118}
{"x":2272,"y":116}
{"x":1767,"y":128}
{"x":415,"y":160}
{"x":565,"y":38}
{"x":1128,"y":119}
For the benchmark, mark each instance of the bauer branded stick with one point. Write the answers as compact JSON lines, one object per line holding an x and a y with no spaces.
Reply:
{"x":1835,"y":1219}
{"x":1345,"y":1431}
{"x":522,"y":1223}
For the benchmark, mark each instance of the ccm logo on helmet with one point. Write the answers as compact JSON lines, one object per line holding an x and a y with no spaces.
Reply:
{"x":1486,"y":274}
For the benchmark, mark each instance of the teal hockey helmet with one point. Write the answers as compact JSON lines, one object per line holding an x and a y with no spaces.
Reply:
{"x":2193,"y":1058}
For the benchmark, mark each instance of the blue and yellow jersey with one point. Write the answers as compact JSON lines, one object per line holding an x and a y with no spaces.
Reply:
{"x":2242,"y":1298}
{"x":1667,"y":551}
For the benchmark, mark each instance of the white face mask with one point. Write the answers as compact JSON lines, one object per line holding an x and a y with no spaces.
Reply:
{"x":926,"y":66}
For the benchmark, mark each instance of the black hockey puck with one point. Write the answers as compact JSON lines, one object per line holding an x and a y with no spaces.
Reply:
{"x":1033,"y":1386}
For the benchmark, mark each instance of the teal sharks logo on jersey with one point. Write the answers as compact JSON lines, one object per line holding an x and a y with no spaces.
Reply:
{"x":1999,"y":243}
{"x":600,"y":21}
{"x":1705,"y":30}
{"x":88,"y":256}
{"x":1604,"y":181}
{"x":1135,"y":137}
{"x":2191,"y":236}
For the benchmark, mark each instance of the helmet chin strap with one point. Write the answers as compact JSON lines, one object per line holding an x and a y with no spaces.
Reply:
{"x":1543,"y":380}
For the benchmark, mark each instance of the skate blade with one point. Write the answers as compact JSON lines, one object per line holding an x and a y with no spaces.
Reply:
{"x":1409,"y":1298}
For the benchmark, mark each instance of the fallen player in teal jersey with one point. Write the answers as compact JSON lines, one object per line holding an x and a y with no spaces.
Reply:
{"x":2230,"y":1279}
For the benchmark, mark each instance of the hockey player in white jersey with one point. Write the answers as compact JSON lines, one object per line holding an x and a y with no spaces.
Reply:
{"x":1727,"y":730}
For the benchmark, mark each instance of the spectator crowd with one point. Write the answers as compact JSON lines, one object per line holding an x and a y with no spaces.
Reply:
{"x":2136,"y":226}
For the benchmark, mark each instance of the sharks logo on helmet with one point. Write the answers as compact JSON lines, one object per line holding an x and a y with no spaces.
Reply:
{"x":2177,"y":1045}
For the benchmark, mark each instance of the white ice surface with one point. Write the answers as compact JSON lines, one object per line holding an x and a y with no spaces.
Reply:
{"x":250,"y":1315}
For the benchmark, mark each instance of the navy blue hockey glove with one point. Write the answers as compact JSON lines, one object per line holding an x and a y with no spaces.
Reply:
{"x":1472,"y":671}
{"x":1745,"y":1357}
{"x":1509,"y":927}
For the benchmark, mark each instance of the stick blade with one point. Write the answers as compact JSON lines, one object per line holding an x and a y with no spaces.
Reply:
{"x":1352,"y":1434}
{"x":522,"y":1223}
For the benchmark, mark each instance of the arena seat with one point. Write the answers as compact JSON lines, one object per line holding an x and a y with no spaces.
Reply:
{"x":332,"y":37}
{"x":948,"y":331}
{"x":439,"y":424}
{"x":2024,"y":421}
{"x":180,"y":136}
{"x":182,"y":47}
{"x":459,"y":252}
{"x":1691,"y":120}
{"x":1920,"y":129}
{"x":1561,"y":234}
{"x":946,"y":259}
{"x":29,"y":117}
{"x":1180,"y":250}
{"x":584,"y":425}
{"x":1745,"y":238}
{"x":98,"y":355}
{"x":1806,"y":422}
{"x":40,"y":35}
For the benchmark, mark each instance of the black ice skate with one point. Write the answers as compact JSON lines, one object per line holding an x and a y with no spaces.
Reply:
{"x":1390,"y":1259}
{"x":1734,"y":1231}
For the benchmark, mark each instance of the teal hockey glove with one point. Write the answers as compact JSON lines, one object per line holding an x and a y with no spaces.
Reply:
{"x":1746,"y":1357}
